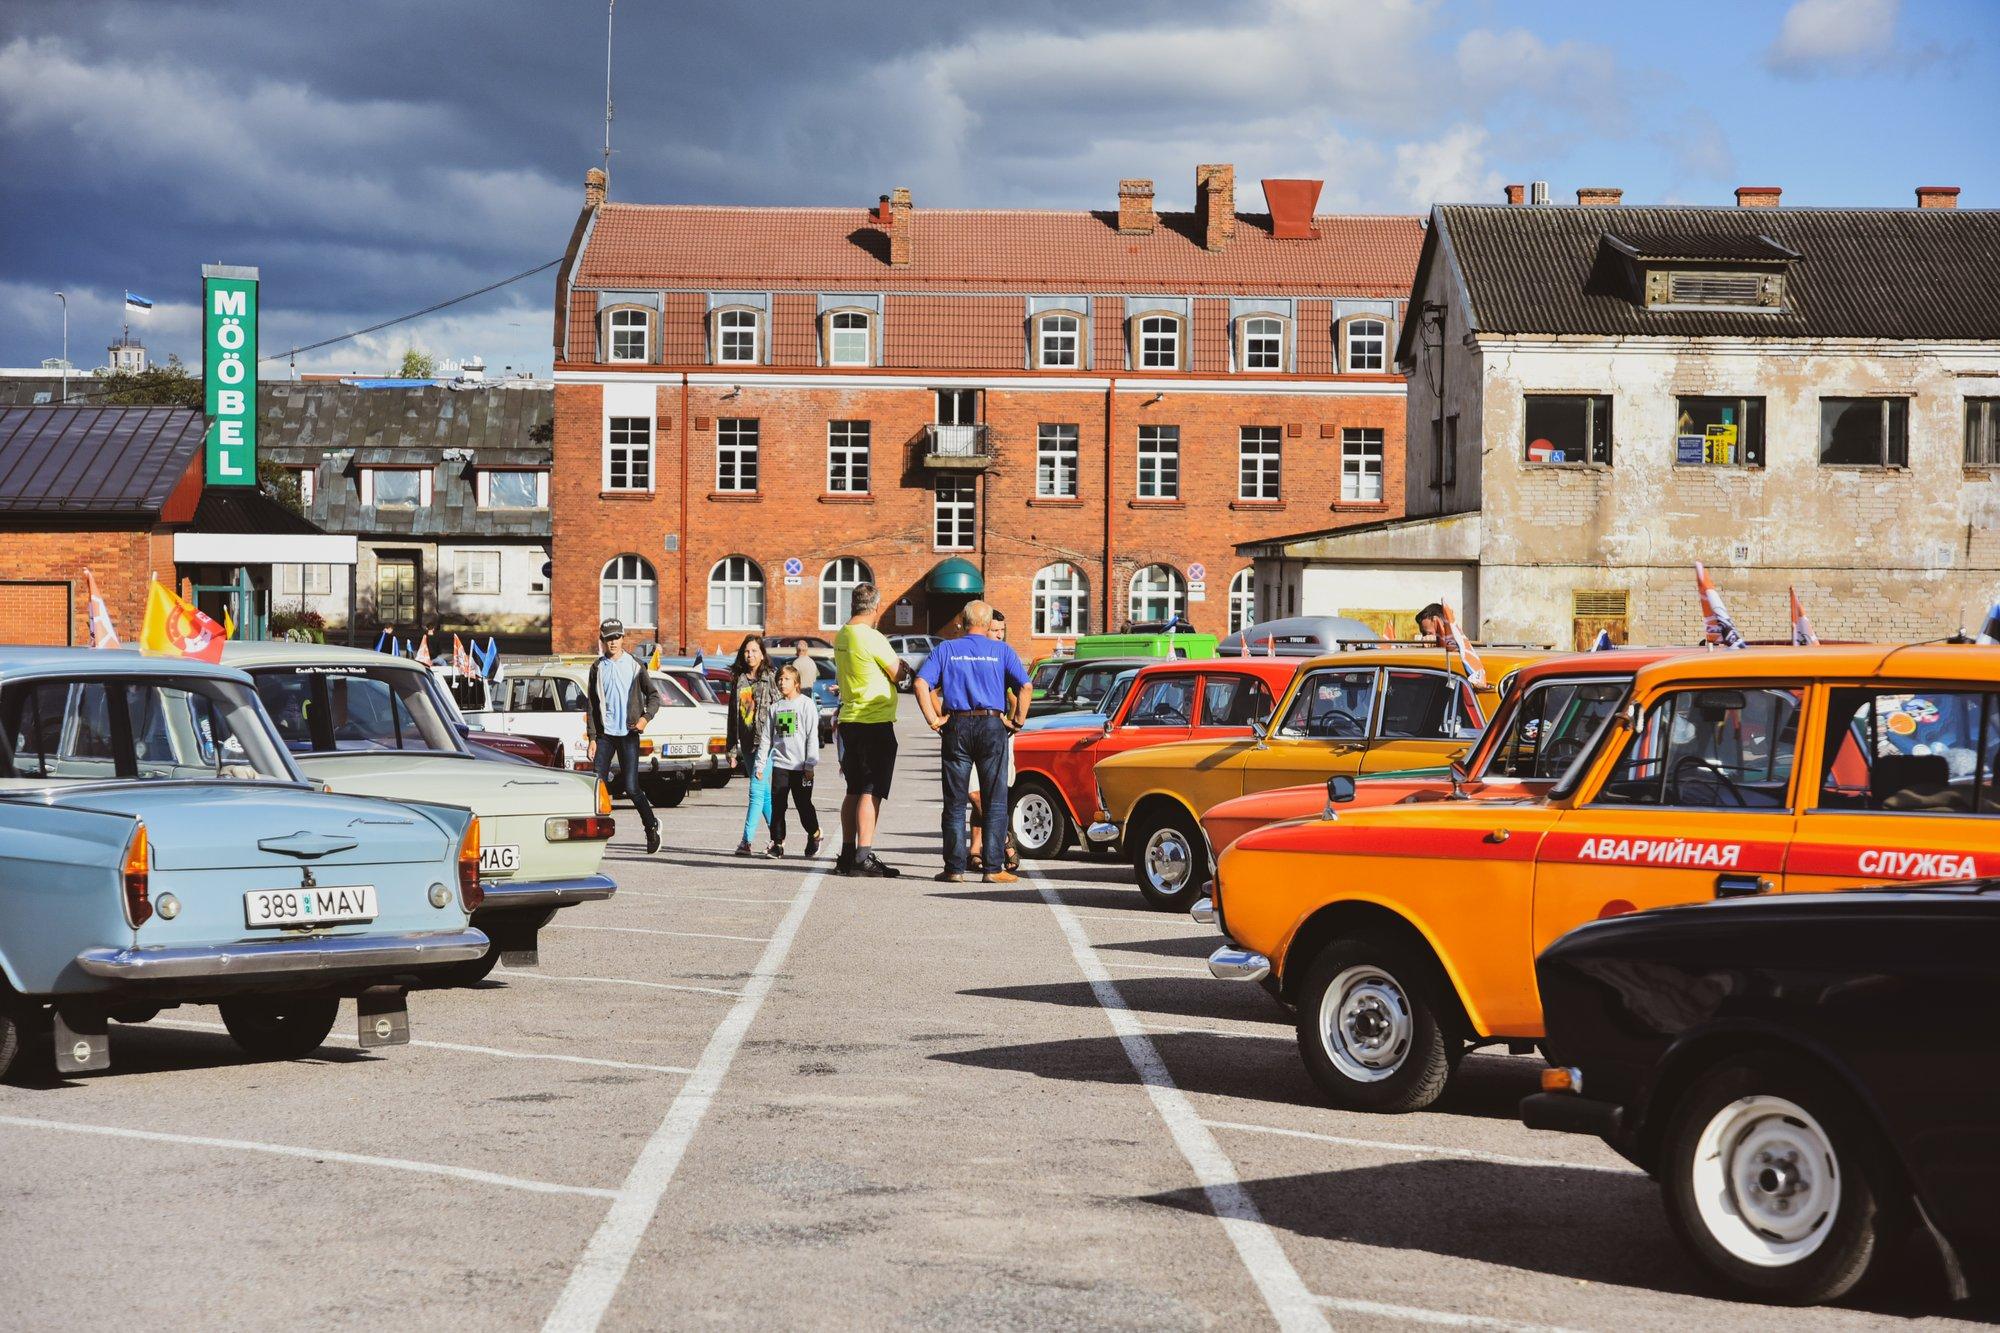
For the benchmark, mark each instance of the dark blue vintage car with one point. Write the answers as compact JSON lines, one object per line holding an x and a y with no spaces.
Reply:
{"x":1812,"y":1078}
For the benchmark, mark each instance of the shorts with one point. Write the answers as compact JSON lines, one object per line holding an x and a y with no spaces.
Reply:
{"x":868,"y":757}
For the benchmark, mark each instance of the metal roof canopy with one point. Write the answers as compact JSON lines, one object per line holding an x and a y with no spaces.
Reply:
{"x":956,"y":577}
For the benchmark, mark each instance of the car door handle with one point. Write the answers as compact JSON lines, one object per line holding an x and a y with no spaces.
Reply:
{"x":1741,"y":886}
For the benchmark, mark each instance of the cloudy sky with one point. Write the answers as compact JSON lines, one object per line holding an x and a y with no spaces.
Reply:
{"x":374,"y":156}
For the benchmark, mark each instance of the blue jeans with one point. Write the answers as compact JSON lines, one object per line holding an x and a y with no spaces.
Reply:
{"x":970,"y":741}
{"x":626,"y":748}
{"x":760,"y":801}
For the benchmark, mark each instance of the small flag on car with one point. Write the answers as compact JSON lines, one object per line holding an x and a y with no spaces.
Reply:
{"x":102,"y":635}
{"x":1603,"y":642}
{"x":423,"y":652}
{"x":175,"y":627}
{"x":1475,"y":670}
{"x":1802,"y":630}
{"x":1717,"y":627}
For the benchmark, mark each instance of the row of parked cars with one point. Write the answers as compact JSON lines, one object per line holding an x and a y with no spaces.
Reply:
{"x":1621,"y":859}
{"x":295,"y":826}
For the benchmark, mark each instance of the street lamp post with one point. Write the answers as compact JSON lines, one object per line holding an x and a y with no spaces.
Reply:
{"x":65,"y":346}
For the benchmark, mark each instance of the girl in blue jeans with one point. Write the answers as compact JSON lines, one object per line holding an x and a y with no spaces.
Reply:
{"x":752,"y":689}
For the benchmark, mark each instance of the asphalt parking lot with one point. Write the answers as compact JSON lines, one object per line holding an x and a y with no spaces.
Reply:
{"x":750,"y":1090}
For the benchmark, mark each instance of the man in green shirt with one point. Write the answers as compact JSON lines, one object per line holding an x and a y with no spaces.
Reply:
{"x":868,"y":672}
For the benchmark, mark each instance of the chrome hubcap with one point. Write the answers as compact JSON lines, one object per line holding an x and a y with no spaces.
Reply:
{"x":1365,"y":1024}
{"x":1034,"y":820}
{"x":1169,"y":861}
{"x":1766,"y":1181}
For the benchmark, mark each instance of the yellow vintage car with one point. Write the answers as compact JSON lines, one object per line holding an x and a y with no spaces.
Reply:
{"x":1371,"y":710}
{"x":1405,"y":935}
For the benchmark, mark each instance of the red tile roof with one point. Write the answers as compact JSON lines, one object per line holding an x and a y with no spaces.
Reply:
{"x":835,"y":249}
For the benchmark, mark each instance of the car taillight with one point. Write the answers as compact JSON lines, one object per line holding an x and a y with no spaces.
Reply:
{"x":718,"y":745}
{"x":645,"y":745}
{"x":603,"y":798}
{"x":138,"y":877}
{"x":579,"y":828}
{"x":470,"y":892}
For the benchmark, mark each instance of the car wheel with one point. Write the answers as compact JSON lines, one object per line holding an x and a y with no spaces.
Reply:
{"x":280,"y":1029}
{"x":1170,"y":862}
{"x":1368,"y":1029}
{"x":12,"y":1037}
{"x":1039,"y":822}
{"x":667,"y":795}
{"x":1774,"y":1182}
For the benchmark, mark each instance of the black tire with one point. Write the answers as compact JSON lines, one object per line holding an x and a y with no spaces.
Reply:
{"x":285,"y":1028}
{"x":468,"y":973}
{"x":1034,"y":807}
{"x":666,"y":795}
{"x":1732,"y":1138}
{"x":1170,"y":861}
{"x":12,"y":1038}
{"x":1382,"y":1047}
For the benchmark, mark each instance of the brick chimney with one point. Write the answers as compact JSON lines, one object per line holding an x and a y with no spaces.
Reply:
{"x":1937,"y":196}
{"x":593,"y":187}
{"x":1517,"y":194}
{"x":1135,"y":207}
{"x":1215,"y":203}
{"x":1291,"y":203}
{"x":1598,"y":196}
{"x":899,"y":226}
{"x":1757,"y":196}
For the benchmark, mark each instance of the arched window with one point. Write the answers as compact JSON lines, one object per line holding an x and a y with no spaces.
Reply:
{"x":836,"y":590}
{"x":1159,"y":593}
{"x":1156,"y":342}
{"x":1367,"y":344}
{"x":738,"y":336}
{"x":1242,"y":602}
{"x":1061,"y":601}
{"x":1058,"y":341}
{"x":1262,"y":343}
{"x":627,"y":591}
{"x":849,"y":338}
{"x":627,"y":332}
{"x":736,"y":594}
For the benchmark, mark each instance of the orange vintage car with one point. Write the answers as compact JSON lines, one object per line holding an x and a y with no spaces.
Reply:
{"x":1549,"y":714}
{"x":1406,"y":935}
{"x":1370,"y":710}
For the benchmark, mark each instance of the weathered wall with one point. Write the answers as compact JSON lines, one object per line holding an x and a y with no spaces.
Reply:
{"x":1445,"y":381}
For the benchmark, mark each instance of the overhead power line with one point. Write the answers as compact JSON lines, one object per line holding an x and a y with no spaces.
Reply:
{"x":416,"y":314}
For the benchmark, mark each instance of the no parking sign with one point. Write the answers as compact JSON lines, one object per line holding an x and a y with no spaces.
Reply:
{"x":1197,"y":571}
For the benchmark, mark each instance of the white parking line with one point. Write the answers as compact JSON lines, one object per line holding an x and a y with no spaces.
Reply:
{"x":511,"y":974}
{"x":1421,"y":1149}
{"x":1159,"y":967}
{"x":192,"y":1026}
{"x":313,"y":1155}
{"x":645,"y":930}
{"x":1277,"y":1281}
{"x":1442,"y":1318}
{"x":593,"y":1284}
{"x":1281,"y":1035}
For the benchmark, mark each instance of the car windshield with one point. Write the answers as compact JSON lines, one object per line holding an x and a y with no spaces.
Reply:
{"x":345,"y":709}
{"x":1543,"y":729}
{"x":696,"y":684}
{"x":153,"y":729}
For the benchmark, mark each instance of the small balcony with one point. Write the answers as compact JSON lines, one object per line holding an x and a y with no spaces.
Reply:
{"x":955,"y":448}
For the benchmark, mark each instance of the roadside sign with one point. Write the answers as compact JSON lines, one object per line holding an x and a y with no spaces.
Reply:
{"x":229,"y":373}
{"x":793,"y":580}
{"x":794,"y":567}
{"x":1197,"y":585}
{"x":906,"y":615}
{"x":1197,"y":572}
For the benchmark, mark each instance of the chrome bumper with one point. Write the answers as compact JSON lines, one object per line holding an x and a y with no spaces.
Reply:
{"x":507,"y":893}
{"x":1102,"y":831}
{"x":285,"y":957}
{"x":1203,"y":911}
{"x":1230,"y":963}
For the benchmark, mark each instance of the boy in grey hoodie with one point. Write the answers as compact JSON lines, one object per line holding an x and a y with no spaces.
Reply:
{"x":788,"y":752}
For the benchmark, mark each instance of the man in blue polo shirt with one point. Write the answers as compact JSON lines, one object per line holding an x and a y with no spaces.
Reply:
{"x":974,"y":690}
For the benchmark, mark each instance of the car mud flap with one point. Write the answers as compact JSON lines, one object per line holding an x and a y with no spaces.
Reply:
{"x":518,"y":940}
{"x":82,"y":1043}
{"x":383,"y":1016}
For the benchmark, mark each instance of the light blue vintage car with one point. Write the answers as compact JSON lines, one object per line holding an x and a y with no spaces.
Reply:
{"x":158,"y":847}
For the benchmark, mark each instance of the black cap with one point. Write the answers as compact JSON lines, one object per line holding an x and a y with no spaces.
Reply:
{"x":611,"y":629}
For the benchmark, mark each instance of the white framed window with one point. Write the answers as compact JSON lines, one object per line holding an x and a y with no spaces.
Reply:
{"x":476,"y":572}
{"x":836,"y":590}
{"x":513,"y":488}
{"x":1159,"y":462}
{"x":305,"y":580}
{"x":396,"y":487}
{"x":628,"y":453}
{"x":1159,"y":342}
{"x":1059,"y":342}
{"x":1367,"y":344}
{"x":627,"y":591}
{"x":1159,"y":593}
{"x":736,"y":454}
{"x":848,"y":338}
{"x":956,"y":513}
{"x":1263,"y":343}
{"x":737,"y":333}
{"x":1361,"y":464}
{"x":1258,"y":459}
{"x":625,"y":333}
{"x":736,"y":594}
{"x":308,"y":480}
{"x":1055,"y":461}
{"x":847,"y":459}
{"x":1060,"y":601}
{"x":1242,"y":601}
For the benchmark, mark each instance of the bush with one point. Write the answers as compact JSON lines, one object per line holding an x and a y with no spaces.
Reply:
{"x":285,"y":620}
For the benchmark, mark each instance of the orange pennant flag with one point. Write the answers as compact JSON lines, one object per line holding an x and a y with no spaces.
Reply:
{"x":175,"y":627}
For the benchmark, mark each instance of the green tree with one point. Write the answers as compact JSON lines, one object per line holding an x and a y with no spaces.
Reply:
{"x":418,"y":365}
{"x":280,"y":483}
{"x":168,"y":385}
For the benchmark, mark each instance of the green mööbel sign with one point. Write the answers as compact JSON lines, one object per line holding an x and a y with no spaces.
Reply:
{"x":229,"y":372}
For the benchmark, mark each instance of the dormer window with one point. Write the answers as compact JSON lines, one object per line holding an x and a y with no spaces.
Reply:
{"x":1058,"y":341}
{"x":1157,"y":342}
{"x":626,"y":330}
{"x":1367,"y":344}
{"x":849,"y":338}
{"x":1262,"y":346}
{"x":1702,"y":271}
{"x":737,"y":333}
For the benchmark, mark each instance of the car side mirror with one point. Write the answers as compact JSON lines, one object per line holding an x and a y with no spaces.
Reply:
{"x":1257,"y":728}
{"x":1109,"y":726}
{"x":464,"y":730}
{"x":1459,"y":773}
{"x":1339,"y":791}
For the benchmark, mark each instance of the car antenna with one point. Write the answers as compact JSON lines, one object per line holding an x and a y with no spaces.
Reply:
{"x":1956,"y":636}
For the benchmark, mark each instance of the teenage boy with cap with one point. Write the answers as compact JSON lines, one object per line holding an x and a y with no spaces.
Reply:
{"x":623,"y":698}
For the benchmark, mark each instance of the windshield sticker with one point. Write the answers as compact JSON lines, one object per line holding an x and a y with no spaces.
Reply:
{"x":1661,"y":851}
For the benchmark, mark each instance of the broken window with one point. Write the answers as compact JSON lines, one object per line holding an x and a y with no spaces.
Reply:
{"x":1864,"y":432}
{"x":1568,"y":428}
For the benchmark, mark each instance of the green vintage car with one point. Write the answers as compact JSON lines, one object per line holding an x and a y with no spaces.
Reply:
{"x":370,"y":724}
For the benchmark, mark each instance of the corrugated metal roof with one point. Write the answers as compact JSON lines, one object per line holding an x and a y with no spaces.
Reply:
{"x":842,"y":249}
{"x":341,"y":416}
{"x":247,"y":510}
{"x":1921,"y":274}
{"x":76,"y":460}
{"x":1759,"y":249}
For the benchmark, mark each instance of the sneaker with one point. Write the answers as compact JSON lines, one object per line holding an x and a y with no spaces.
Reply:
{"x":872,"y":866}
{"x":776,"y":851}
{"x":652,"y":839}
{"x":812,"y":846}
{"x":949,"y":877}
{"x":743,"y":848}
{"x":1002,"y":877}
{"x":844,"y":865}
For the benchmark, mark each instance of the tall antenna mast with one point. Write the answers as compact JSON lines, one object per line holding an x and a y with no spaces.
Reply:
{"x":610,"y":9}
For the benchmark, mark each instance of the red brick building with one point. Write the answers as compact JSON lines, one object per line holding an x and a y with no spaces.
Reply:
{"x":1081,"y":414}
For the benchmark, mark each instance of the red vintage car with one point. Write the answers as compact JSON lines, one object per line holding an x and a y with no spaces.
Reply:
{"x":1055,"y":791}
{"x":1548,"y":716}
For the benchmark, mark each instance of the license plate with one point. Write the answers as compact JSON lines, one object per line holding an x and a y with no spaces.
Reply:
{"x":309,"y":907}
{"x":499,"y":858}
{"x":685,"y":748}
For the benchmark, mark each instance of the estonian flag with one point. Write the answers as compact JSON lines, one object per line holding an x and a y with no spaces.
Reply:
{"x":137,"y":302}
